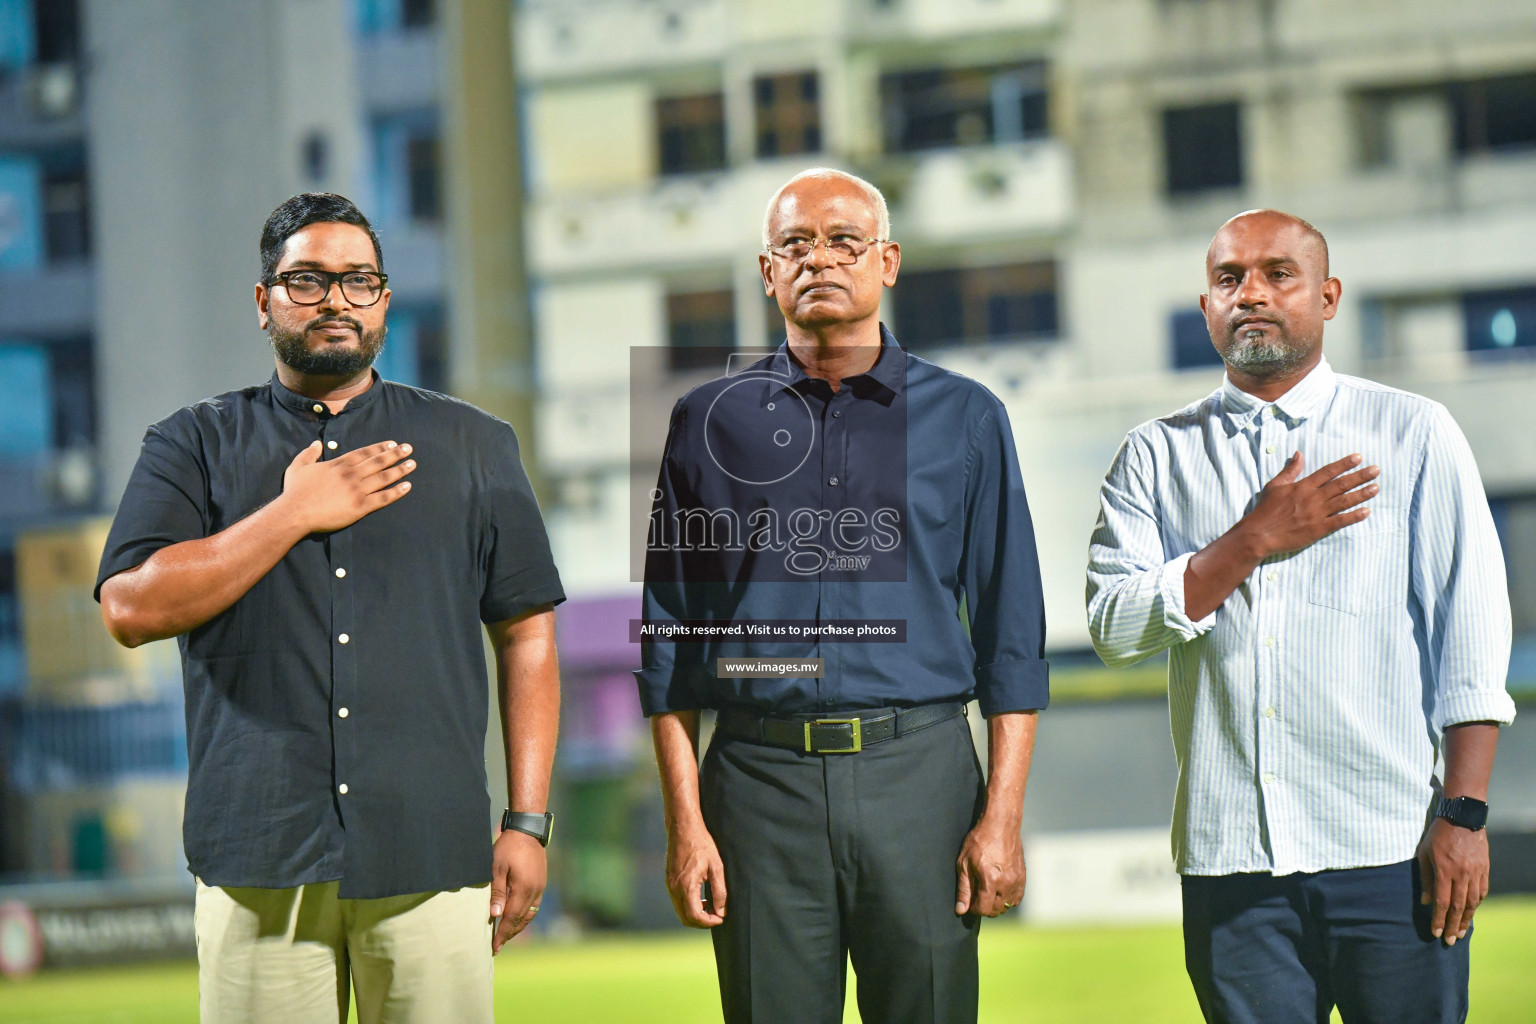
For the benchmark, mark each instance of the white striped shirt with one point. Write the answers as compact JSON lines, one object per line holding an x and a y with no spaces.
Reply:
{"x":1307,"y":709}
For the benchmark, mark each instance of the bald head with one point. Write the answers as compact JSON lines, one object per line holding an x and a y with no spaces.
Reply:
{"x":1313,"y":245}
{"x":831,"y":175}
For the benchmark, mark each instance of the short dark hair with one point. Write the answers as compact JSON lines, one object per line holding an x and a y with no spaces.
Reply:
{"x":298,"y":213}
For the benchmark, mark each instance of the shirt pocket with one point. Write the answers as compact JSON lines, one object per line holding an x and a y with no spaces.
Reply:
{"x":1364,"y":567}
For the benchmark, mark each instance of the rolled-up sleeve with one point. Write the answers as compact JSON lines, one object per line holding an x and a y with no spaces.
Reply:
{"x":1135,"y":593}
{"x":1459,"y":582}
{"x":1000,"y":571}
{"x":669,"y":671}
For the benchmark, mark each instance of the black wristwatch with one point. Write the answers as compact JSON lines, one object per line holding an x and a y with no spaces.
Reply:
{"x":540,"y":826}
{"x":1466,"y":811}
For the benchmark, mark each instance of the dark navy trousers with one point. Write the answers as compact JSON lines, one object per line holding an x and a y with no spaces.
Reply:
{"x":1266,"y":949}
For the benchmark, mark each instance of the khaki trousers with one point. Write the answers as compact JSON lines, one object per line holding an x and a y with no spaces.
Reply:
{"x":286,"y":955}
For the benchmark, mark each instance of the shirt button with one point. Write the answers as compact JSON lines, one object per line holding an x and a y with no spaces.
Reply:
{"x":1268,"y":777}
{"x":342,"y":574}
{"x":342,"y":712}
{"x":836,"y":413}
{"x":1268,"y":451}
{"x":1271,"y":577}
{"x":344,"y":638}
{"x":332,"y":445}
{"x":342,"y":789}
{"x":318,"y":407}
{"x":833,"y":482}
{"x":1268,"y":712}
{"x":1269,"y":641}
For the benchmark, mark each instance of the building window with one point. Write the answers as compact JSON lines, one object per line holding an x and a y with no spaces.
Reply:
{"x":16,"y":43}
{"x":394,"y":15}
{"x":423,"y":173}
{"x":788,"y":114}
{"x":47,"y":395}
{"x":415,"y":352}
{"x":701,"y":329}
{"x":1500,"y":321}
{"x":1203,"y":148}
{"x":940,"y":108}
{"x":432,"y":348}
{"x":315,"y":156}
{"x":57,"y":25}
{"x":1494,"y":114}
{"x":12,"y":676}
{"x":1191,"y":341}
{"x":71,"y":371}
{"x":417,"y":13}
{"x":691,"y":133}
{"x":409,"y":170}
{"x":26,"y":399}
{"x":21,"y":217}
{"x":66,"y":213}
{"x":1404,"y":127}
{"x":974,"y":305}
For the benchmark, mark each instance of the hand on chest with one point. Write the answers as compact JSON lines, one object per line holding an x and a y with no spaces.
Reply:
{"x":1206,"y":498}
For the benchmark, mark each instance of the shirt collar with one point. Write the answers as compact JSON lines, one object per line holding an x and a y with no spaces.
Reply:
{"x":1306,"y":398}
{"x":307,"y":406}
{"x":889,"y":371}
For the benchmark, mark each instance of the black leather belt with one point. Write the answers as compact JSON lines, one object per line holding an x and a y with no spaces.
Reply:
{"x":845,"y":733}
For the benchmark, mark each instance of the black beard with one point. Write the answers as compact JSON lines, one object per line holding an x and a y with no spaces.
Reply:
{"x":328,"y":361}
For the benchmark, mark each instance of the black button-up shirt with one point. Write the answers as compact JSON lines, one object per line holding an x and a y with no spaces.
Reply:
{"x":336,"y":714}
{"x":898,"y":498}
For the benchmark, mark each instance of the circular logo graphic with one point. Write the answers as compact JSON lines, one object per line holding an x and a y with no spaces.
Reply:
{"x":758,"y":440}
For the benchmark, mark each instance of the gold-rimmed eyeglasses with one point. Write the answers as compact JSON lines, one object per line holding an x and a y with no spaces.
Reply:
{"x":843,"y":249}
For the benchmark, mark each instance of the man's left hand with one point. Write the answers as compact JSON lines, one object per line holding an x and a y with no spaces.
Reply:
{"x":990,"y":870}
{"x":518,"y":874}
{"x":1453,"y":874}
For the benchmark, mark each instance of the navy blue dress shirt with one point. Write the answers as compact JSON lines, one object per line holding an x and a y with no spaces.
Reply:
{"x":336,"y":714}
{"x":898,"y":499}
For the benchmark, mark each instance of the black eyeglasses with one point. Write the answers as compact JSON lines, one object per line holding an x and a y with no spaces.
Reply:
{"x":310,"y":287}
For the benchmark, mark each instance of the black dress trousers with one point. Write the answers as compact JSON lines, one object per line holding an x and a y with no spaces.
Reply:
{"x":831,"y":857}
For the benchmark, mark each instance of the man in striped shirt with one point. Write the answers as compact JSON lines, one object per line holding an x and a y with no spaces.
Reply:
{"x":1316,"y":554}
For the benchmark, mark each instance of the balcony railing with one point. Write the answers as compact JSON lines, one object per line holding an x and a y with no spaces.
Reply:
{"x":944,"y":195}
{"x":559,"y":39}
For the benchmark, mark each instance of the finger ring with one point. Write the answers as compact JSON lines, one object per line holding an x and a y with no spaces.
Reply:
{"x":1008,"y":906}
{"x":531,"y":911}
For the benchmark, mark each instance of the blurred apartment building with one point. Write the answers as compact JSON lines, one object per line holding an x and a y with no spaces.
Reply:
{"x":1055,"y":170}
{"x":141,"y":147}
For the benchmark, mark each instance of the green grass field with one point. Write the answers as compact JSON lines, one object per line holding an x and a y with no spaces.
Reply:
{"x":1064,"y":976}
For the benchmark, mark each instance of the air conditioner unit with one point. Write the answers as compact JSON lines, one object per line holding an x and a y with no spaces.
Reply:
{"x":55,"y":90}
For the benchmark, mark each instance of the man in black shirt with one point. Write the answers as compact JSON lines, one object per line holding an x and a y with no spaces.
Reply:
{"x":842,"y":488}
{"x":324,"y":546}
